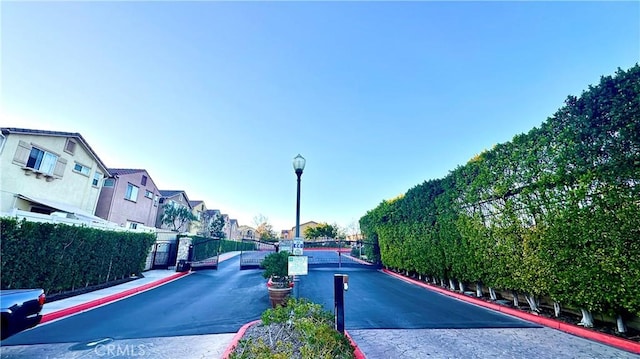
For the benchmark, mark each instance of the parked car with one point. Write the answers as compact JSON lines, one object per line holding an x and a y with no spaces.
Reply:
{"x":20,"y":309}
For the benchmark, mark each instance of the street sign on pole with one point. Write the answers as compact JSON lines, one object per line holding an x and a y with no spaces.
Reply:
{"x":298,"y":247}
{"x":286,"y":245}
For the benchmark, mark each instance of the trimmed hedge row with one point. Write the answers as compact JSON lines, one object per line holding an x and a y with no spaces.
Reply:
{"x":555,"y":212}
{"x":59,"y":257}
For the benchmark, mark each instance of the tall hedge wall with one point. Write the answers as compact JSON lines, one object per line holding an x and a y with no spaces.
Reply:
{"x":555,"y":212}
{"x":59,"y":257}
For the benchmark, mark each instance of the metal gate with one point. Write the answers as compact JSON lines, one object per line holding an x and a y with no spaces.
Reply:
{"x":204,"y":253}
{"x":164,"y":254}
{"x":251,"y":259}
{"x":327,"y":254}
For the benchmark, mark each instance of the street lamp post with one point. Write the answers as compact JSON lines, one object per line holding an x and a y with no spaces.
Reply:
{"x":298,"y":167}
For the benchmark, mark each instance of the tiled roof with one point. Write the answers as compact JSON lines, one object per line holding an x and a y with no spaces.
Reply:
{"x":195,"y":203}
{"x":26,"y":131}
{"x":170,"y":193}
{"x":124,"y":171}
{"x":212,"y":212}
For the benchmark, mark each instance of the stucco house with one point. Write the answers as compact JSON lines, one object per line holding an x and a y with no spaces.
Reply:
{"x":129,"y":197}
{"x":199,"y":209}
{"x":233,"y":232}
{"x":172,"y":198}
{"x":49,"y":172}
{"x":303,"y":226}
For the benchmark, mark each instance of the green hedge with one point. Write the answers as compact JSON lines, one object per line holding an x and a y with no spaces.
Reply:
{"x":59,"y":257}
{"x":555,"y":212}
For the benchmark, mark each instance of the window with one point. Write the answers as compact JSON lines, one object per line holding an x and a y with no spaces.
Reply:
{"x":42,"y":161}
{"x":96,"y":179}
{"x":148,"y":194}
{"x":70,"y":146}
{"x":109,"y":182}
{"x":144,"y":181}
{"x":133,"y":225}
{"x":80,"y":168}
{"x":155,"y":200}
{"x":132,"y":193}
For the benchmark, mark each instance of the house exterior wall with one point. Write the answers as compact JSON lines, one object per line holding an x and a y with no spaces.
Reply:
{"x":64,"y":186}
{"x":178,"y":199}
{"x":303,"y":227}
{"x":114,"y":207}
{"x":198,"y":211}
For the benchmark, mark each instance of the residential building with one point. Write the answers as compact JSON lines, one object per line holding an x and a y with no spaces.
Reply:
{"x":247,"y":232}
{"x":234,"y":233}
{"x":129,"y":197}
{"x":172,"y":198}
{"x":210,"y":215}
{"x":292,"y":233}
{"x":199,"y":210}
{"x":49,"y":172}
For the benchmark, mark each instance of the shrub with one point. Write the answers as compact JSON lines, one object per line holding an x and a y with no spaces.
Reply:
{"x":300,"y":330}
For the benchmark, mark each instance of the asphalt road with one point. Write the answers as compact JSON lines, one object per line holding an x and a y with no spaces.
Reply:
{"x":213,"y":302}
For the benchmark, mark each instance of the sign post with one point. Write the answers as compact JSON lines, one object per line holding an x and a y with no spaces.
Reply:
{"x":298,"y":247}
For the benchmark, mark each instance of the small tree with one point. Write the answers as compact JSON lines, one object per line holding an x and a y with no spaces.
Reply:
{"x":264,"y":229}
{"x":176,"y":216}
{"x":214,"y":225}
{"x":323,"y":230}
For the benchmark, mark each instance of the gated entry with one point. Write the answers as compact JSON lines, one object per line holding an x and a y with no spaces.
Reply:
{"x":204,"y":253}
{"x":164,"y":254}
{"x":251,"y":259}
{"x":320,"y":254}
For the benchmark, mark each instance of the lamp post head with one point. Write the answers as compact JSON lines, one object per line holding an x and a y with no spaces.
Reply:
{"x":298,"y":164}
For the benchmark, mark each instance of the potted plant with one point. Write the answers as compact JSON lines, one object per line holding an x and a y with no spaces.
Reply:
{"x":279,"y":283}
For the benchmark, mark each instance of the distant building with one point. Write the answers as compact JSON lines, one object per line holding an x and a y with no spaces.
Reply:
{"x":129,"y":197}
{"x":172,"y":198}
{"x":199,"y":210}
{"x":292,"y":233}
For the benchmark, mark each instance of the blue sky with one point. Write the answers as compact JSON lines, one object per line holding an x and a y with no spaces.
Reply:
{"x":216,"y":98}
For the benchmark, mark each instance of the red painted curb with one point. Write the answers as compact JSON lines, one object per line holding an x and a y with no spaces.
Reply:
{"x":356,"y":352}
{"x":236,"y":338}
{"x":100,"y":301}
{"x":607,"y":339}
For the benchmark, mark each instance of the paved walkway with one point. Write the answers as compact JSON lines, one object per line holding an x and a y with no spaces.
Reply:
{"x":538,"y":343}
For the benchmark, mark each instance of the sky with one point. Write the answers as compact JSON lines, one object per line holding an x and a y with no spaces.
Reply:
{"x":216,"y":98}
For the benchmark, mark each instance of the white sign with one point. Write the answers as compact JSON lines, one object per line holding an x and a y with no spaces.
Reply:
{"x":298,"y":265}
{"x":286,"y":246}
{"x":298,"y":247}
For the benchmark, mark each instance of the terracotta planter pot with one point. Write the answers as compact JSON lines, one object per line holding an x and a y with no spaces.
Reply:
{"x":278,"y":296}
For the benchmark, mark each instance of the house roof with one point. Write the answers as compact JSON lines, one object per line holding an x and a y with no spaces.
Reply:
{"x":124,"y":171}
{"x":213,"y":211}
{"x":128,"y":171}
{"x":170,"y":193}
{"x":195,"y":203}
{"x":76,"y":135}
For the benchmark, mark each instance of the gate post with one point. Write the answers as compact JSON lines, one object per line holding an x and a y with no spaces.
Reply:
{"x":340,"y":285}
